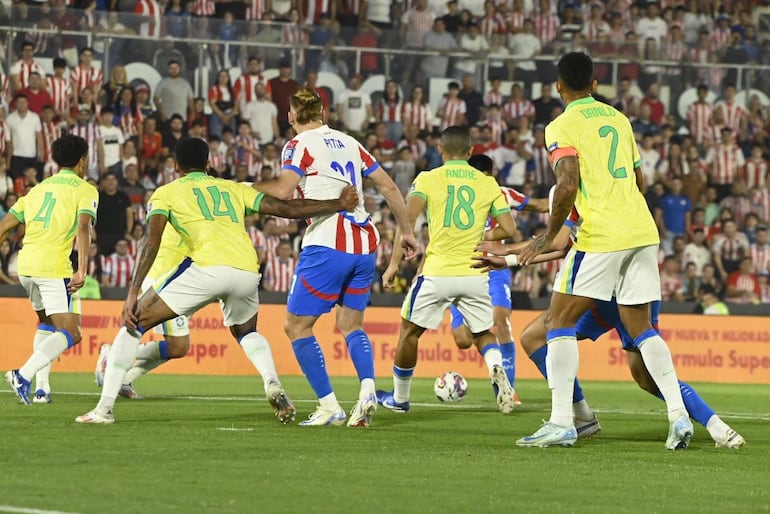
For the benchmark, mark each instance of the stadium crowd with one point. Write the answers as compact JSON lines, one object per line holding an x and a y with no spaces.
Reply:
{"x":707,"y":172}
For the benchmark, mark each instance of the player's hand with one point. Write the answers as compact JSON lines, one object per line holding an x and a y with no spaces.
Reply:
{"x":388,"y":276}
{"x":533,"y":249}
{"x":409,"y":246}
{"x":129,"y":311}
{"x":77,"y":281}
{"x":488,"y":262}
{"x":491,"y":247}
{"x":349,"y":198}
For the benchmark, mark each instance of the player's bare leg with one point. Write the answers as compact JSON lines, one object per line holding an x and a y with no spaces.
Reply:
{"x":257,"y":349}
{"x":657,"y":358}
{"x":65,"y":335}
{"x":350,"y":323}
{"x":722,"y":434}
{"x":463,"y":337}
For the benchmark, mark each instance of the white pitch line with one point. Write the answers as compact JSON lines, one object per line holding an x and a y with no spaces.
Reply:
{"x":759,"y":416}
{"x":23,"y":510}
{"x":234,"y":429}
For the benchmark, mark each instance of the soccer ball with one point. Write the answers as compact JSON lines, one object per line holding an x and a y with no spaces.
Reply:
{"x":450,"y":387}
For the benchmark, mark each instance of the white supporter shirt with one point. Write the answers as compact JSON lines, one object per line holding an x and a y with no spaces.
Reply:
{"x":111,"y":138}
{"x":354,"y":108}
{"x":24,"y":133}
{"x":327,"y":160}
{"x":260,"y":115}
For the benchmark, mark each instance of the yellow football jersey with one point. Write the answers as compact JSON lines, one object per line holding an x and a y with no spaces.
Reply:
{"x":172,"y":251}
{"x":208,"y":214}
{"x":458,"y":199}
{"x":614,"y":212}
{"x":50,"y":211}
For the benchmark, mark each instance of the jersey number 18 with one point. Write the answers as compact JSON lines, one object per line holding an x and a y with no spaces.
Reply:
{"x":460,"y":215}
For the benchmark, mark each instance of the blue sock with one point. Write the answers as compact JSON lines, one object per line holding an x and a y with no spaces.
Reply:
{"x":457,"y":318}
{"x":509,"y":360}
{"x":360,"y":349}
{"x":311,"y":361}
{"x":696,"y":407}
{"x":538,"y":357}
{"x":163,"y":350}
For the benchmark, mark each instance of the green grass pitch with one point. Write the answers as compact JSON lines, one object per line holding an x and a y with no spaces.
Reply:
{"x":211,"y":444}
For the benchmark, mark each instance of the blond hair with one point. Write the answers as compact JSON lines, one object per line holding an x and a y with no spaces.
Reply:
{"x":307,"y":106}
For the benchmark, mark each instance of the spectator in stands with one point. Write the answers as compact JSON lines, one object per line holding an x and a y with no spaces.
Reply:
{"x":696,"y":252}
{"x":760,"y":250}
{"x":441,"y":41}
{"x":26,"y":181}
{"x":733,"y":114}
{"x":649,"y":159}
{"x":243,"y":89}
{"x":115,"y":216}
{"x":110,"y":141}
{"x":354,"y":107}
{"x":743,"y":285}
{"x":404,"y":169}
{"x":281,"y":88}
{"x":676,"y":212}
{"x":388,"y":111}
{"x":110,"y":91}
{"x":690,"y":282}
{"x":7,"y":264}
{"x":85,"y":74}
{"x":415,"y":143}
{"x":173,"y":94}
{"x":26,"y":137}
{"x":178,"y":18}
{"x":37,"y":96}
{"x":222,"y":103}
{"x":546,"y":105}
{"x":6,"y":182}
{"x":118,"y":266}
{"x":127,"y":115}
{"x":671,"y":285}
{"x":23,"y":67}
{"x":737,"y":202}
{"x":724,"y":161}
{"x":417,"y":111}
{"x":729,"y":248}
{"x":474,"y":101}
{"x":279,"y":268}
{"x":173,"y":134}
{"x":452,"y":109}
{"x":524,"y":45}
{"x":477,"y":45}
{"x":657,"y":108}
{"x":416,"y":23}
{"x":652,"y":26}
{"x":368,"y":36}
{"x":150,"y":147}
{"x":262,"y":114}
{"x":132,"y":185}
{"x":710,"y":302}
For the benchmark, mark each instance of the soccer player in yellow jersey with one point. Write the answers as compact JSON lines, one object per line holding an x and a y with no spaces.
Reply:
{"x":458,"y":199}
{"x":597,"y":166}
{"x":175,"y":333}
{"x":55,"y":211}
{"x":221,"y":264}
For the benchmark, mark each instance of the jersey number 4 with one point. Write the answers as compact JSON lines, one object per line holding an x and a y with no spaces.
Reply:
{"x":605,"y":131}
{"x":460,"y":215}
{"x":218,"y":198}
{"x":46,"y":210}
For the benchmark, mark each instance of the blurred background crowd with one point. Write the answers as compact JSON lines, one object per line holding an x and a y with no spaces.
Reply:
{"x":692,"y":76}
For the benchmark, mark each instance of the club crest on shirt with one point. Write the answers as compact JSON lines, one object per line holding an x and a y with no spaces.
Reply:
{"x":553,"y":147}
{"x":288,"y":151}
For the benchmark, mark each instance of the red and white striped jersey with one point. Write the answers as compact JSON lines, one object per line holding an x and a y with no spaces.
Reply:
{"x":278,"y":273}
{"x":294,"y":35}
{"x":133,"y":248}
{"x":313,"y":10}
{"x":670,"y":284}
{"x":698,"y":116}
{"x":243,"y":90}
{"x":118,"y":270}
{"x":493,"y":25}
{"x":152,"y":12}
{"x":764,"y":295}
{"x":217,"y":160}
{"x":5,"y":137}
{"x":725,"y":162}
{"x":417,"y":114}
{"x":493,"y":98}
{"x":50,"y":168}
{"x":389,"y":110}
{"x":760,"y":257}
{"x":204,"y":8}
{"x":130,"y":122}
{"x":82,"y":78}
{"x":546,"y":27}
{"x":523,"y":281}
{"x":499,"y":128}
{"x":740,"y":206}
{"x":592,"y":29}
{"x":23,"y":69}
{"x":255,"y":10}
{"x":731,"y":248}
{"x":542,"y":173}
{"x":89,"y":132}
{"x":718,"y":39}
{"x":51,"y":132}
{"x":761,"y":204}
{"x":418,"y":147}
{"x":5,"y":87}
{"x":243,"y":156}
{"x":754,"y":172}
{"x":743,"y":282}
{"x":258,"y":240}
{"x":517,"y":108}
{"x":733,"y":113}
{"x":219,"y":93}
{"x":516,"y":200}
{"x":452,"y":112}
{"x":674,"y":51}
{"x":515,"y":20}
{"x":61,"y":92}
{"x":327,"y":160}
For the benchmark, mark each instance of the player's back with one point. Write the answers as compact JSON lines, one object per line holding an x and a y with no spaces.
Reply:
{"x":327,"y":160}
{"x":171,"y":252}
{"x":50,"y":212}
{"x":209,"y":215}
{"x":613,"y":211}
{"x":458,"y":199}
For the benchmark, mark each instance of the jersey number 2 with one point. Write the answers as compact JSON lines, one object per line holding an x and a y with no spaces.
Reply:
{"x":605,"y":131}
{"x":218,"y":198}
{"x":462,"y":215}
{"x":45,"y":211}
{"x":348,"y":170}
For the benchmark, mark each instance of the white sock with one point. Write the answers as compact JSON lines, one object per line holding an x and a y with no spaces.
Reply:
{"x":122,"y":356}
{"x":141,"y":367}
{"x":582,"y":411}
{"x":493,"y":357}
{"x":42,"y":376}
{"x":717,"y":428}
{"x":329,"y":402}
{"x":562,"y":365}
{"x":48,"y":349}
{"x":367,"y":388}
{"x":148,"y":351}
{"x":657,"y":358}
{"x":257,"y":349}
{"x":401,"y":388}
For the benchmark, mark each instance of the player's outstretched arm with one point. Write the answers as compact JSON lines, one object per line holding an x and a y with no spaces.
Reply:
{"x":8,"y":223}
{"x":405,"y":233}
{"x":305,"y":208}
{"x":83,"y":242}
{"x":414,"y":206}
{"x":282,"y":188}
{"x":536,"y":205}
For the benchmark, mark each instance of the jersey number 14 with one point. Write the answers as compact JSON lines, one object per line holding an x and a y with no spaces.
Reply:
{"x":223,"y":206}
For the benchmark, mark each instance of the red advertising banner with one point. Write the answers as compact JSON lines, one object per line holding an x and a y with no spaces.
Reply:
{"x":729,"y":349}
